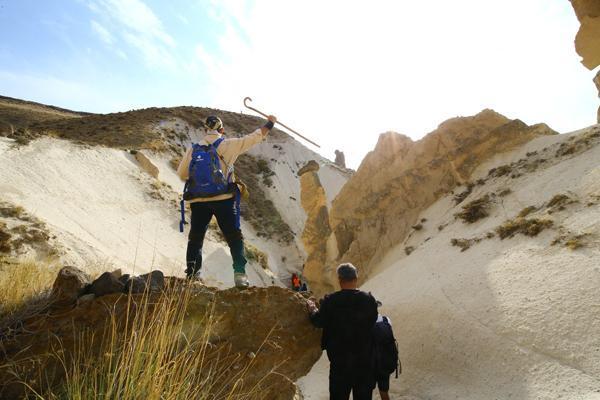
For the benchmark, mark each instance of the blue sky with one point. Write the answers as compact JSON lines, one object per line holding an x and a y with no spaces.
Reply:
{"x":340,"y":72}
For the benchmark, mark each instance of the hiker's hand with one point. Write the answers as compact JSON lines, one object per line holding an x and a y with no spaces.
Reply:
{"x":269,"y":125}
{"x":312,"y":308}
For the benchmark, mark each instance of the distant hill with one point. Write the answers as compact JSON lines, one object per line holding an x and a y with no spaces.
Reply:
{"x":18,"y":114}
{"x":25,"y":120}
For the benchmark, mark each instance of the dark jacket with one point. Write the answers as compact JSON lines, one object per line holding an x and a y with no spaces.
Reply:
{"x":347,"y":318}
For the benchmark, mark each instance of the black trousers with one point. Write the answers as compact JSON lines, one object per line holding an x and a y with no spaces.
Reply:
{"x":342,"y":383}
{"x":227,"y":213}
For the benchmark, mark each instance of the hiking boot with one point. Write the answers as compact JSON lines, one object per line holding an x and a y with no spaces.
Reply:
{"x":196,"y":277}
{"x":241,"y":280}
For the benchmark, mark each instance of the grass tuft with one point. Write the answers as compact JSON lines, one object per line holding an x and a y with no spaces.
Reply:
{"x":475,"y":210}
{"x":526,"y":211}
{"x":528,"y":227}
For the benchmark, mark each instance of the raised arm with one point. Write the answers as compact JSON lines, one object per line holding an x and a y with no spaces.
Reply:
{"x":243,"y":144}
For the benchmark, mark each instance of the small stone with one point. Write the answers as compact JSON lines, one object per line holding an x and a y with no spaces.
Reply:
{"x":107,"y":283}
{"x":156,"y":279}
{"x":135,"y":284}
{"x":70,"y":283}
{"x":153,"y":281}
{"x":124,"y":278}
{"x":85,"y":298}
{"x":117,"y":273}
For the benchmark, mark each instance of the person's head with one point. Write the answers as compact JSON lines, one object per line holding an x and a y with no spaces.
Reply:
{"x":347,"y":276}
{"x":213,"y":124}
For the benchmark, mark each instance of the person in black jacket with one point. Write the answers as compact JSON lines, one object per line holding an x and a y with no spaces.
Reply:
{"x":347,"y":318}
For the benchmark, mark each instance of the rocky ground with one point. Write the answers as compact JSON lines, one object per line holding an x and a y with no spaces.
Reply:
{"x":263,"y":334}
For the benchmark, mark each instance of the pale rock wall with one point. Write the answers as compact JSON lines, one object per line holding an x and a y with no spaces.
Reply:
{"x":375,"y":210}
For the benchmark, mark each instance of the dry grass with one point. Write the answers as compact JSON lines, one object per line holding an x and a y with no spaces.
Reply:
{"x":258,"y":210}
{"x":174,"y":162}
{"x":254,"y":254}
{"x":147,"y":352}
{"x":529,"y":227}
{"x":5,"y":238}
{"x":475,"y":210}
{"x":500,"y":171}
{"x":526,"y":211}
{"x":558,"y":201}
{"x":459,"y":198}
{"x":22,"y":283}
{"x":153,"y":358}
{"x":464,"y":244}
{"x":16,"y":115}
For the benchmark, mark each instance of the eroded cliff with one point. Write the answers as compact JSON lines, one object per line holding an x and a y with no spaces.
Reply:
{"x":379,"y":205}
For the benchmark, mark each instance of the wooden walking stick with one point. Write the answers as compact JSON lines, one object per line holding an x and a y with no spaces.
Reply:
{"x":280,"y":123}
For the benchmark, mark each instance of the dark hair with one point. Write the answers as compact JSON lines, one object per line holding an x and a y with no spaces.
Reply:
{"x":347,"y":272}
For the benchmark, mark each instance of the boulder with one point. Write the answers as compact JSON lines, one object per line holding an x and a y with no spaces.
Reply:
{"x":312,"y":165}
{"x":70,"y":283}
{"x":146,"y":164}
{"x":107,"y":283}
{"x":124,"y":278}
{"x":153,"y":282}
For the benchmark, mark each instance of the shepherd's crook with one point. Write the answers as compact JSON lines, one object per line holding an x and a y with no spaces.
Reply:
{"x":285,"y":126}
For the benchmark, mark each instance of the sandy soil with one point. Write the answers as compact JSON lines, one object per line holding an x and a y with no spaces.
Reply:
{"x":97,"y":202}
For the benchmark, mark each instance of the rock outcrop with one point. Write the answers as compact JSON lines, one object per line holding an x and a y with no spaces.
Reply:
{"x":267,"y":326}
{"x":340,"y":159}
{"x":378,"y":206}
{"x":146,"y":164}
{"x":587,"y":41}
{"x":70,"y":284}
{"x":316,"y":228}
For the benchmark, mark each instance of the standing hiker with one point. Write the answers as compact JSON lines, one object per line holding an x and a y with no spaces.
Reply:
{"x":211,"y":189}
{"x":295,"y":282}
{"x":385,"y":354}
{"x":347,"y":318}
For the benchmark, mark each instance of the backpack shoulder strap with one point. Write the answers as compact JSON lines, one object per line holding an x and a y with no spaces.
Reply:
{"x":217,"y":142}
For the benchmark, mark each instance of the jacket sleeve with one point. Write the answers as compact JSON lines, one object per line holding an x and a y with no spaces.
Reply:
{"x":237,"y":146}
{"x":319,"y":318}
{"x":183,"y":170}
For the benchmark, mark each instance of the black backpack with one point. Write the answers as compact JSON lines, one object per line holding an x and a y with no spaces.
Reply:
{"x":385,"y":349}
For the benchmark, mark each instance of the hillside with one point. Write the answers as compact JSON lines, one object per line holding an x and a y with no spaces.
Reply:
{"x":494,"y":293}
{"x":16,"y":115}
{"x":110,"y":193}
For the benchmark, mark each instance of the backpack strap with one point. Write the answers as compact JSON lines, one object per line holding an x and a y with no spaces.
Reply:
{"x":216,"y":144}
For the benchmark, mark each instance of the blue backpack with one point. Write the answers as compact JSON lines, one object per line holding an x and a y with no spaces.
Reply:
{"x":206,"y":179}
